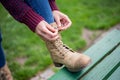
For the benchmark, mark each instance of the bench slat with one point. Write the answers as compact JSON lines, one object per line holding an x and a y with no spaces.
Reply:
{"x":96,"y":52}
{"x":115,"y":75}
{"x":106,"y":66}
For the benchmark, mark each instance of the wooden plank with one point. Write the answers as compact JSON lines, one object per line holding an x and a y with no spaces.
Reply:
{"x":96,"y":52}
{"x":107,"y":66}
{"x":115,"y":75}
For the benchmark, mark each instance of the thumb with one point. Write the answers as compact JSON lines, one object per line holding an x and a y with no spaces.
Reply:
{"x":57,"y":19}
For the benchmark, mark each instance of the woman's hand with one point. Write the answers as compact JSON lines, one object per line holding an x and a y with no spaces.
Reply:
{"x":46,"y":31}
{"x":62,"y":20}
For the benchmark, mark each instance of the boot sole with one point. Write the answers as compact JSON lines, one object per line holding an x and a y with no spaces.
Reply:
{"x":58,"y":64}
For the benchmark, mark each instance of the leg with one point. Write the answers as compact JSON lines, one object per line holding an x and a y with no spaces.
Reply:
{"x":5,"y":73}
{"x":42,"y":7}
{"x":2,"y":56}
{"x":60,"y":53}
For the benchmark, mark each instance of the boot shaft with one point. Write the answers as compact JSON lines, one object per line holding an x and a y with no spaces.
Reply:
{"x":5,"y":73}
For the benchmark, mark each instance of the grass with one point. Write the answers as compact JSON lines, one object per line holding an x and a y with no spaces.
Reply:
{"x":20,"y":43}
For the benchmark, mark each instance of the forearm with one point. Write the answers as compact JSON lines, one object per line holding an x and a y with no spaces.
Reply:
{"x":22,"y":12}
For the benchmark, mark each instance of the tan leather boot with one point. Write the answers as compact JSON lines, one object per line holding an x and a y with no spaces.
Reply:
{"x":5,"y":73}
{"x":62,"y":55}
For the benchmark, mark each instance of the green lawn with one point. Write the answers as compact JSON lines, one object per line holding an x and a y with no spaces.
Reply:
{"x":25,"y":51}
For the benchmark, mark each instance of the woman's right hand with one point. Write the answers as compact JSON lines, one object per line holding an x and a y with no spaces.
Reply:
{"x":46,"y":31}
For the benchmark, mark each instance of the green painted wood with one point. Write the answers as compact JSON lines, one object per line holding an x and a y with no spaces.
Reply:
{"x":115,"y":75}
{"x":96,"y":52}
{"x":105,"y":68}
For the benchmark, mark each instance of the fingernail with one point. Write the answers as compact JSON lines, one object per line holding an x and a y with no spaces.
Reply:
{"x":59,"y":25}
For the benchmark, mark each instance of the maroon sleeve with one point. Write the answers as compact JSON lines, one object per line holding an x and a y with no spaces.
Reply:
{"x":22,"y":12}
{"x":53,"y":5}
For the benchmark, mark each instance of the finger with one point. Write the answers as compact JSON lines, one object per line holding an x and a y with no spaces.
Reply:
{"x":49,"y":33}
{"x":52,"y":29}
{"x":55,"y":33}
{"x":66,"y":23}
{"x":57,"y":20}
{"x":49,"y":27}
{"x":68,"y":20}
{"x":47,"y":37}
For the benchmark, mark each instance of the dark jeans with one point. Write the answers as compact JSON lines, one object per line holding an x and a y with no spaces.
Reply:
{"x":2,"y":56}
{"x":43,"y":8}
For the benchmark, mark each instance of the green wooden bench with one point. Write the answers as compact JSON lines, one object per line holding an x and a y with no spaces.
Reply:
{"x":105,"y":55}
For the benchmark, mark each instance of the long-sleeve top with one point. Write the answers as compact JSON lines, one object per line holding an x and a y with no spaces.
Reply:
{"x":23,"y":13}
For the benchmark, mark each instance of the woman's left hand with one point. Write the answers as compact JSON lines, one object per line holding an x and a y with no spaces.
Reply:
{"x":61,"y":20}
